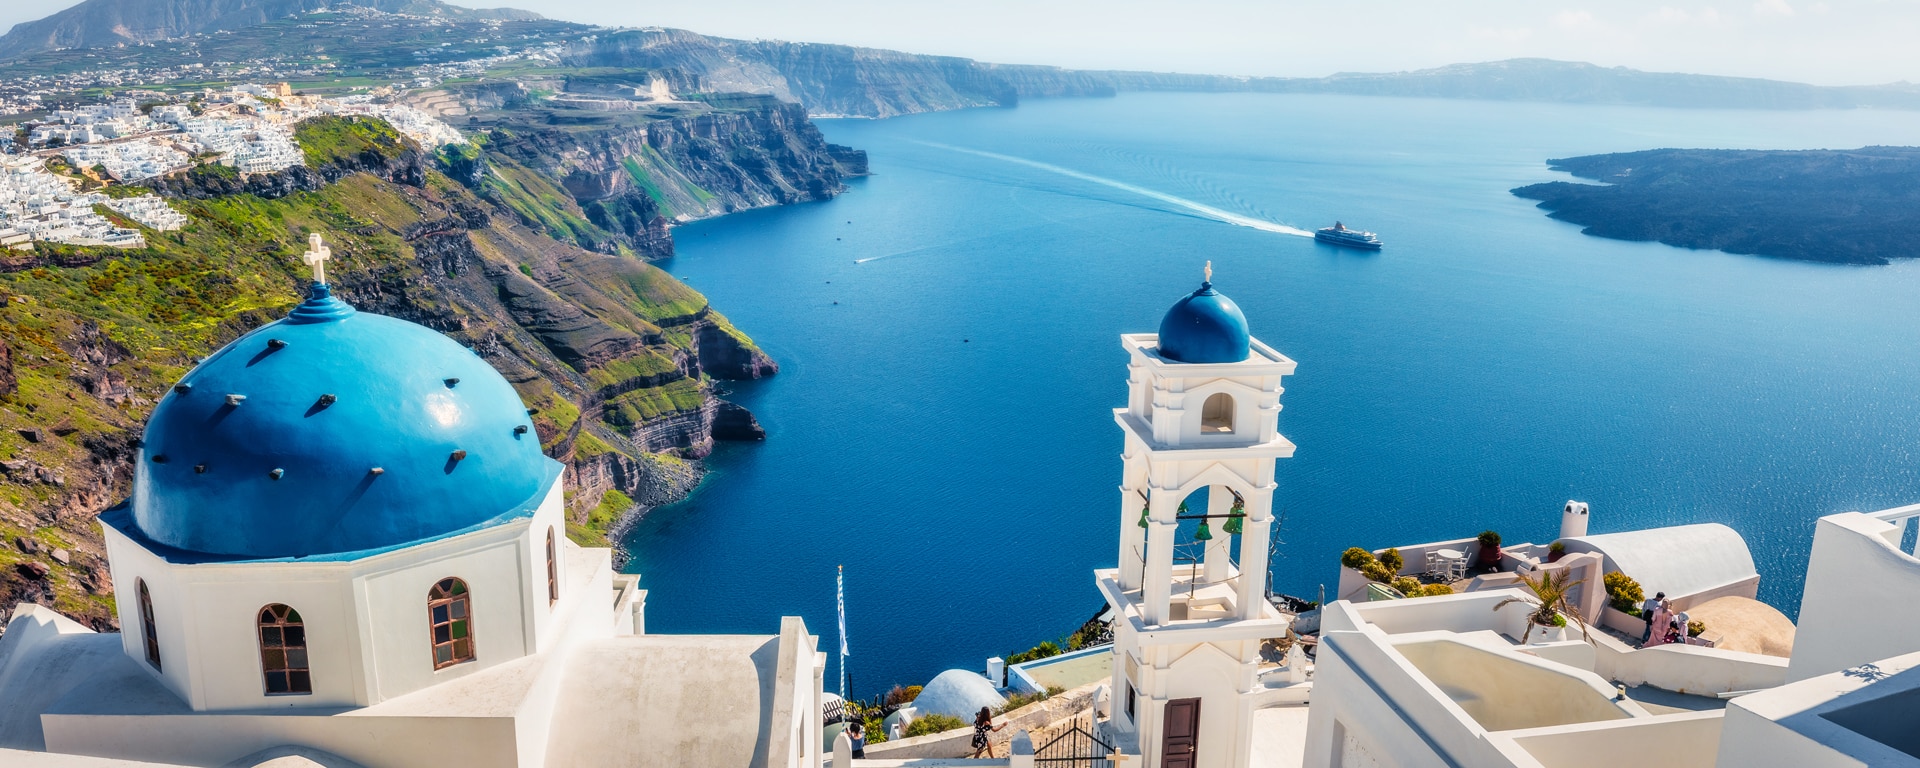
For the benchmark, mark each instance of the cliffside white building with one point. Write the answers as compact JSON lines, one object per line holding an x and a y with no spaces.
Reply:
{"x":346,"y":548}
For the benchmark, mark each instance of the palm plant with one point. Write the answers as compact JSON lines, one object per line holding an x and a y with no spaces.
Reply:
{"x":1549,"y":600}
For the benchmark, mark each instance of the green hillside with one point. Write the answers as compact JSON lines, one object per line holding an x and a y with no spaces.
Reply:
{"x":603,"y":348}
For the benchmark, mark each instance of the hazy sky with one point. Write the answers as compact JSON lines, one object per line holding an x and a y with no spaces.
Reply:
{"x":1834,"y":42}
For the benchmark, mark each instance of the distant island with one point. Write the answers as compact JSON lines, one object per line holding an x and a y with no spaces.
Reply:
{"x":1838,"y":206}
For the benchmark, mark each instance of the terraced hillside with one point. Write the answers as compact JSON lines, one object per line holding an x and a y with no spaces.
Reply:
{"x":615,"y":357}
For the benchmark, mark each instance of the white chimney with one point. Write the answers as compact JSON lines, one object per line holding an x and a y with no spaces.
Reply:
{"x":997,"y":672}
{"x":1573,"y":520}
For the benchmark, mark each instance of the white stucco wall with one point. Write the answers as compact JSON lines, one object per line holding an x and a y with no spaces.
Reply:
{"x":1858,"y":603}
{"x":1691,"y":739}
{"x":213,"y":739}
{"x":366,"y":620}
{"x":1686,"y":668}
{"x":1681,"y":560}
{"x":1806,"y":723}
{"x":1207,"y":673}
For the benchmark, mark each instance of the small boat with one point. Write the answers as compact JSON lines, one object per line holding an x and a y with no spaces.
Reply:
{"x":1338,"y":234}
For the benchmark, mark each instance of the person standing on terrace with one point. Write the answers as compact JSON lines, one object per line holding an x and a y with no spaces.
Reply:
{"x":1646,"y":613}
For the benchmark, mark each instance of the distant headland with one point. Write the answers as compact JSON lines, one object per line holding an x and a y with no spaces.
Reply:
{"x":1838,"y":206}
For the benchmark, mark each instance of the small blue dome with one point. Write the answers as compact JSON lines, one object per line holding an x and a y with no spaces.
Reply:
{"x":1204,"y":327}
{"x":333,"y":431}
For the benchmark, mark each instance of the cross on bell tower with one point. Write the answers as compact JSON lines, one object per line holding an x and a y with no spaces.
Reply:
{"x":1203,"y":408}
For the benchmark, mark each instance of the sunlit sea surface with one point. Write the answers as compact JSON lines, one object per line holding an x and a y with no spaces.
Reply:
{"x":948,"y":335}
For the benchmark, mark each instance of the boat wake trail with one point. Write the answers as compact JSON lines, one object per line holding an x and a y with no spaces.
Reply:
{"x":1204,"y":210}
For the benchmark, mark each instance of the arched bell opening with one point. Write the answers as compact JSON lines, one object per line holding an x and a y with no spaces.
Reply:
{"x":1216,"y":414}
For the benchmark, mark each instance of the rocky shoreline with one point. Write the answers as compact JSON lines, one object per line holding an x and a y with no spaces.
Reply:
{"x":1833,"y":206}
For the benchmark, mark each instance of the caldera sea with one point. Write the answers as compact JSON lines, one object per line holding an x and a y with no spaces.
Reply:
{"x":948,"y":331}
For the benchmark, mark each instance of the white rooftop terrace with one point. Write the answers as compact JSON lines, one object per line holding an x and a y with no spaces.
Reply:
{"x":1441,"y":680}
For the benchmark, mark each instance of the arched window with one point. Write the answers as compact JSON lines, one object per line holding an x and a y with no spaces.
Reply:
{"x":147,"y":630}
{"x":553,"y":572}
{"x":452,"y":617}
{"x":283,"y":651}
{"x":1216,"y":415}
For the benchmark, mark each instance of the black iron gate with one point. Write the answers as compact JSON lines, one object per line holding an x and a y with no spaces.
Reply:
{"x":1076,"y":747}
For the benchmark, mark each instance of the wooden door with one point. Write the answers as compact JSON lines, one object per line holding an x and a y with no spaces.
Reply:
{"x":1181,"y":742}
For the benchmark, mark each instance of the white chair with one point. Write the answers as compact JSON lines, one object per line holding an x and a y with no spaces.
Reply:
{"x":1456,"y":569}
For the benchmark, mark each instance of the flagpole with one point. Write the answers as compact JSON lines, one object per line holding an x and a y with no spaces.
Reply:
{"x":840,"y":596}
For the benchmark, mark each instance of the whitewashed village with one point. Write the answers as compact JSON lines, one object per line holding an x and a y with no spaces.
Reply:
{"x":50,"y":185}
{"x":443,"y":619}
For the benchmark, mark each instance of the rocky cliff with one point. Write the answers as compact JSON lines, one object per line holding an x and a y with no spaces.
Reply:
{"x":106,"y":23}
{"x":614,"y":181}
{"x":866,"y":82}
{"x":834,"y":80}
{"x":616,"y":360}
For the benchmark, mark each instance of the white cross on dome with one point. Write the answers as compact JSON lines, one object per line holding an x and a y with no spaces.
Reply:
{"x":317,"y":256}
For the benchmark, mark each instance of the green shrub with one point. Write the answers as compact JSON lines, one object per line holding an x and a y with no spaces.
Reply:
{"x":875,"y":727}
{"x":1377,"y":571}
{"x":1407,"y":585}
{"x":1623,"y":593}
{"x":933,"y":723}
{"x":1489,"y":539}
{"x":1559,"y":620}
{"x":1392,"y":560}
{"x":1019,"y":700}
{"x":1356,"y":558}
{"x":1433,"y":590}
{"x":1695,"y":627}
{"x":1557,"y":548}
{"x":1041,"y":651}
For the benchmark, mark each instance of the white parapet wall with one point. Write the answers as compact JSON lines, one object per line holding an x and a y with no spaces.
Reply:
{"x":1859,"y":604}
{"x":1860,"y":716}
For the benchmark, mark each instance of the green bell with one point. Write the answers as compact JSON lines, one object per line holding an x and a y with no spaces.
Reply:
{"x":1234,"y":516}
{"x":1204,"y":534}
{"x":1183,"y":507}
{"x":1143,"y":517}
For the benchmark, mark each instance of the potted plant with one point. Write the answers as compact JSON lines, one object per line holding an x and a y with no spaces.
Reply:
{"x":1547,"y":593}
{"x":1555,"y":551}
{"x":1489,"y":552}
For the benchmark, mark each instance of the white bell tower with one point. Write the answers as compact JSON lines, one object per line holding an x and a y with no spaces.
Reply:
{"x":1203,"y":409}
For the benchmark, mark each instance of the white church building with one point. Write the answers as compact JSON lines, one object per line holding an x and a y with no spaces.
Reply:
{"x":345,"y":548}
{"x":1203,"y":409}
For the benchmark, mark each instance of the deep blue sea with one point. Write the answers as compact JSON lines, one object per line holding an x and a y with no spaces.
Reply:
{"x":948,"y":332}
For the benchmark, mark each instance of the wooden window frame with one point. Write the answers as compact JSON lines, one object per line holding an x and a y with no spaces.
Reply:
{"x":149,"y":631}
{"x":283,"y":651}
{"x":450,"y":606}
{"x":553,"y":571}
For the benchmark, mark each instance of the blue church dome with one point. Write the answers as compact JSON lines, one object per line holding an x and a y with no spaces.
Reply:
{"x":330,"y":432}
{"x":1204,"y":327}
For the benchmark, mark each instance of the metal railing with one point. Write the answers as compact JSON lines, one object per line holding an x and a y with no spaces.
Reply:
{"x":1908,"y":520}
{"x":1073,"y":744}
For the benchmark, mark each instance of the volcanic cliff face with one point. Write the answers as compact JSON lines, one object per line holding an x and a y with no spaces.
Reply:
{"x":615,"y":359}
{"x":105,"y":23}
{"x":613,"y":182}
{"x":836,"y":80}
